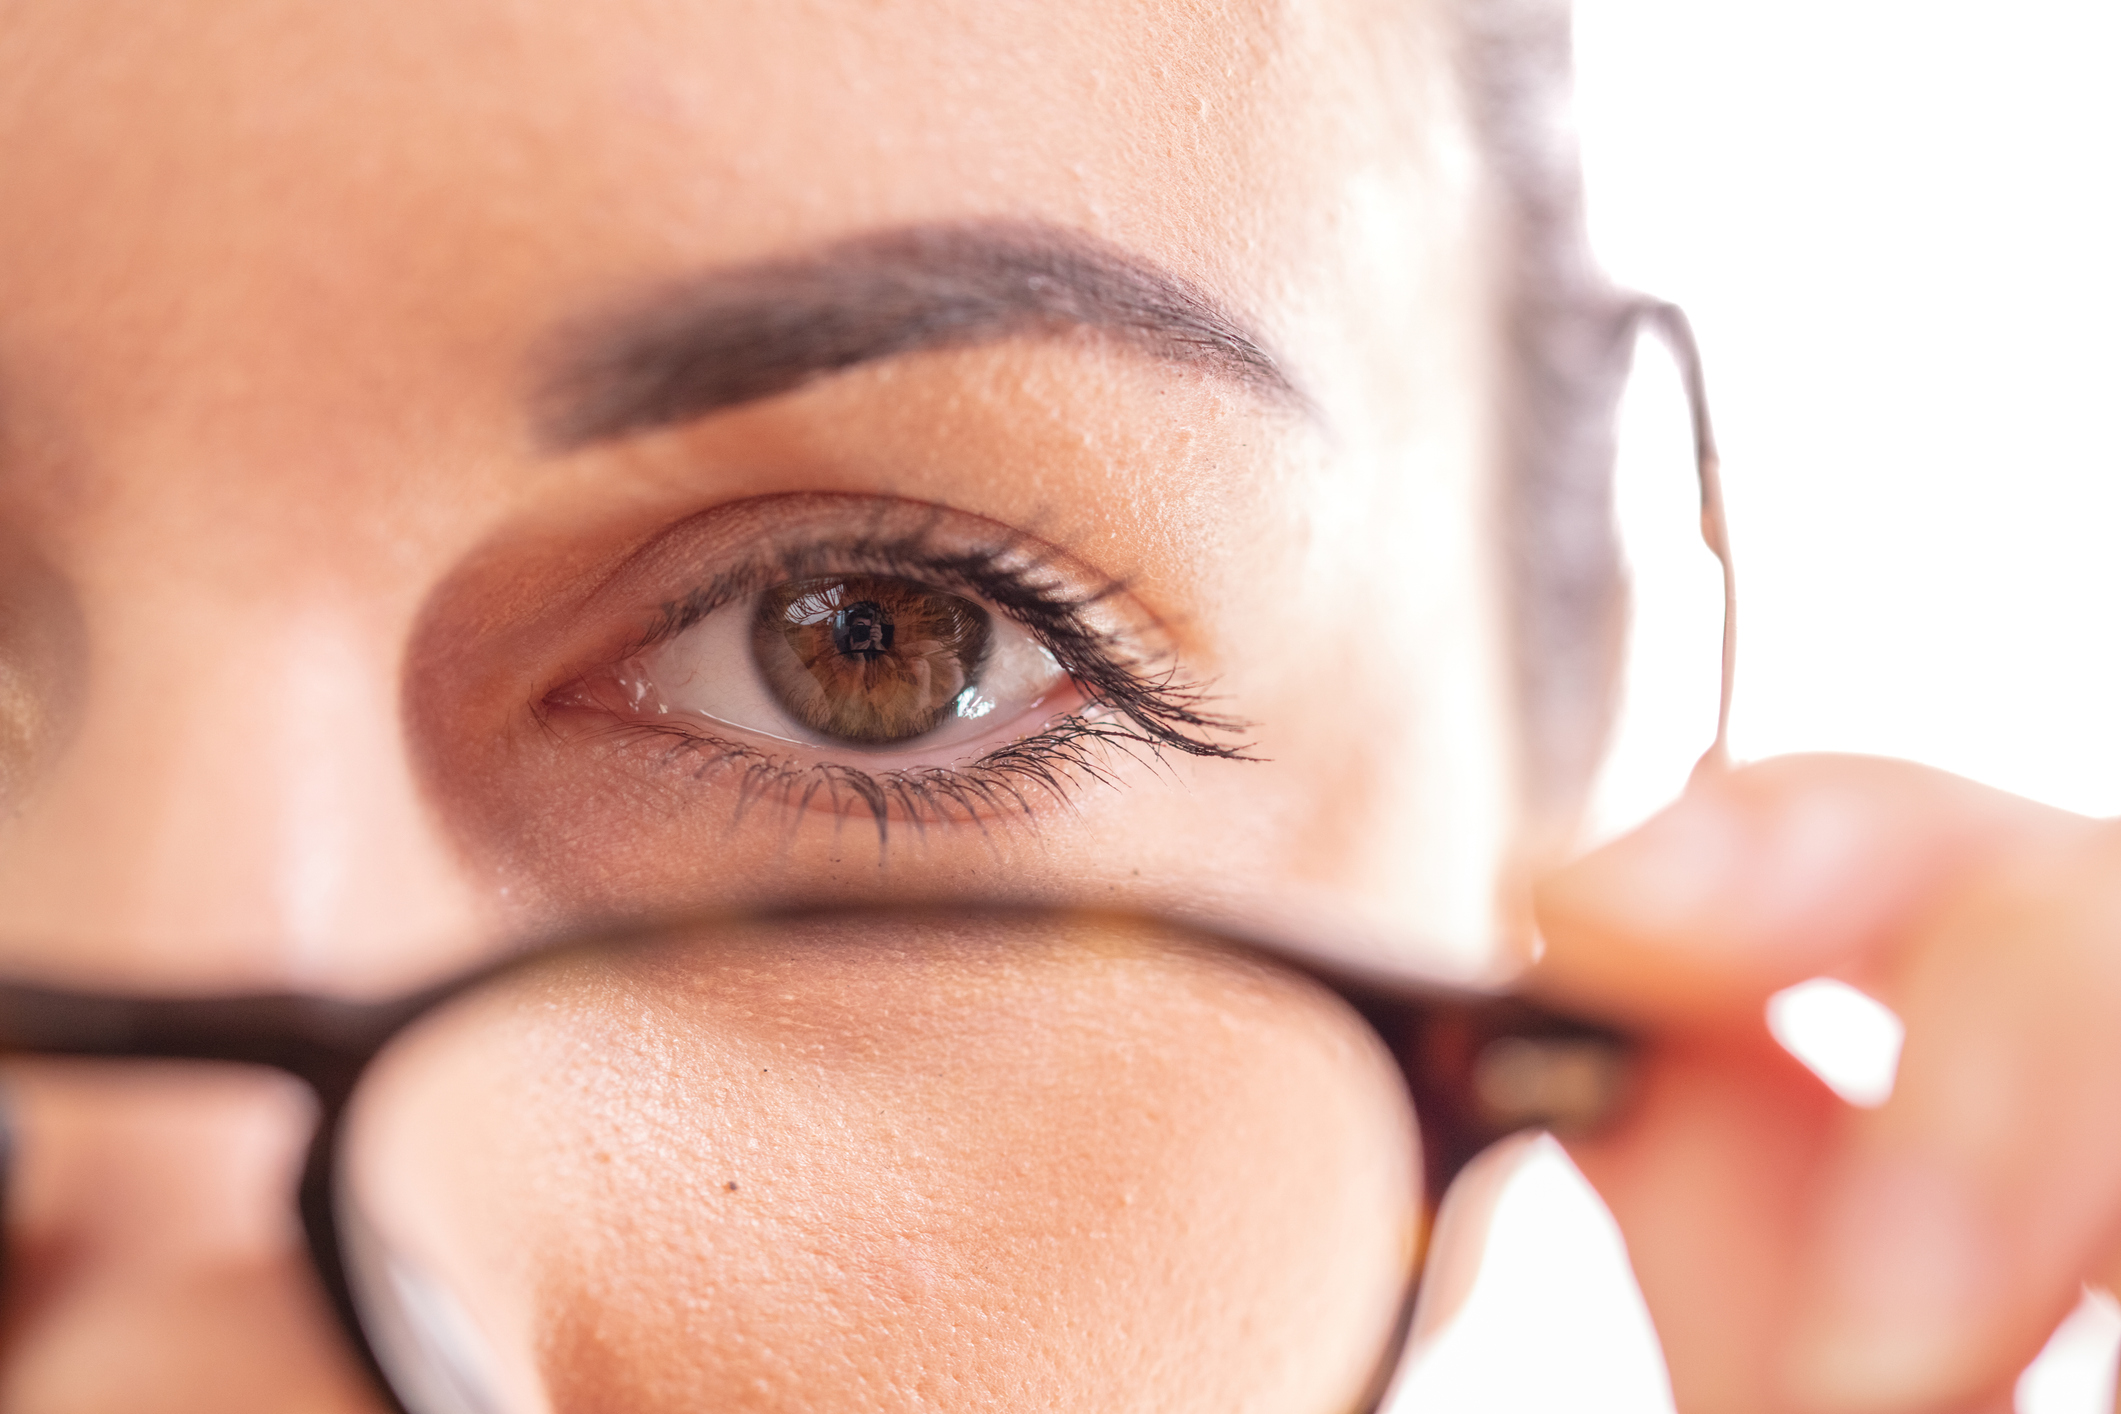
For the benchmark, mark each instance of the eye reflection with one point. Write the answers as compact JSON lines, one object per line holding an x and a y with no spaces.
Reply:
{"x":868,"y":659}
{"x":863,"y":661}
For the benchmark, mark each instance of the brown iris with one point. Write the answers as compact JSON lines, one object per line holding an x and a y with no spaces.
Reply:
{"x":865,"y":658}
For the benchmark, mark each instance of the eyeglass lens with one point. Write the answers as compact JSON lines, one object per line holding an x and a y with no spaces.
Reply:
{"x":883,"y":1163}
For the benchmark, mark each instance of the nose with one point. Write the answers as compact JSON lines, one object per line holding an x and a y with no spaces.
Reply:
{"x":235,"y":807}
{"x":153,"y":1262}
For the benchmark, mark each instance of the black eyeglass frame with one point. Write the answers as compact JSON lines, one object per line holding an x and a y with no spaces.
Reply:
{"x":1448,"y":1044}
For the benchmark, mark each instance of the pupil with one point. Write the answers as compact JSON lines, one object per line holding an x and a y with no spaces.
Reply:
{"x":868,"y":659}
{"x":862,"y":629}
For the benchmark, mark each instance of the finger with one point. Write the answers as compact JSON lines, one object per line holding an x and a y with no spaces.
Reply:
{"x":1957,"y":1223}
{"x":1765,"y":876}
{"x":1710,"y":1178}
{"x":1759,"y":879}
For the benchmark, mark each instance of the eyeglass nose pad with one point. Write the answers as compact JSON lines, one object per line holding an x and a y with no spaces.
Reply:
{"x":1677,"y":654}
{"x":437,"y":1358}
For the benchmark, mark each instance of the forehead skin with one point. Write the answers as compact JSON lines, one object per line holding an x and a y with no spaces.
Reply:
{"x":275,"y":281}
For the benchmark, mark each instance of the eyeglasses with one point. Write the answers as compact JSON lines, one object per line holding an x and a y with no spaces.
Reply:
{"x":975,"y":1155}
{"x":1048,"y":1158}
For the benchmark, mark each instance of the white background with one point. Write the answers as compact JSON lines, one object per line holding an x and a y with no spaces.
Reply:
{"x":1898,"y":229}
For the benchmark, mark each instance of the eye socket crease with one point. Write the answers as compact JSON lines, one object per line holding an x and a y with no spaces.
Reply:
{"x":735,"y":336}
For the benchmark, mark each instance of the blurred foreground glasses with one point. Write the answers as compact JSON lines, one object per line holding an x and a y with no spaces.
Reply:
{"x":967,"y":1157}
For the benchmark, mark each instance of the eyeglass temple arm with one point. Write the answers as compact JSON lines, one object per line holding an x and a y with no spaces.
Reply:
{"x":1669,"y":323}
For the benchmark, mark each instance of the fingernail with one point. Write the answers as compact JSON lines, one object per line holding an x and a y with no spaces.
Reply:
{"x":1899,"y":1288}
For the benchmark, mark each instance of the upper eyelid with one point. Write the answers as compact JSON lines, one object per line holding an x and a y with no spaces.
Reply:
{"x":981,"y":573}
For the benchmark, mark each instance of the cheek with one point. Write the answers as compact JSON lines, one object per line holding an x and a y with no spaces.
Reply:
{"x":973,"y":1179}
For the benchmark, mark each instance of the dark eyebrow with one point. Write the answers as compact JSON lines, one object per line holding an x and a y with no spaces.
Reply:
{"x":733,"y":336}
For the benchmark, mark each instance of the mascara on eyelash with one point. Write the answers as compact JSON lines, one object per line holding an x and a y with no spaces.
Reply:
{"x":1130,"y":705}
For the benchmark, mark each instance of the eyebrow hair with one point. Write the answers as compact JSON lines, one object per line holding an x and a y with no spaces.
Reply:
{"x":737,"y":335}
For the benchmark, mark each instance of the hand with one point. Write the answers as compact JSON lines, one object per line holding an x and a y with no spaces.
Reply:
{"x":1798,"y":1253}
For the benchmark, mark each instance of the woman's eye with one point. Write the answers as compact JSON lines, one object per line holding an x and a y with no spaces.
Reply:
{"x":870,"y":662}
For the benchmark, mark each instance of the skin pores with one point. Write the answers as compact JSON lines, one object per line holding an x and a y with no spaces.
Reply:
{"x":279,"y":291}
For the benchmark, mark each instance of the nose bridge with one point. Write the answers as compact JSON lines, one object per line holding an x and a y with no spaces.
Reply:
{"x":148,"y":1214}
{"x":237,"y":804}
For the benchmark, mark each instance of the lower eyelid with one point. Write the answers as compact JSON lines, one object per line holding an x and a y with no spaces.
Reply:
{"x":1011,"y":782}
{"x":1081,"y":738}
{"x":1113,"y":695}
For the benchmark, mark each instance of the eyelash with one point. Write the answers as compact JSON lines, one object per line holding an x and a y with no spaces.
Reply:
{"x":1131,"y":705}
